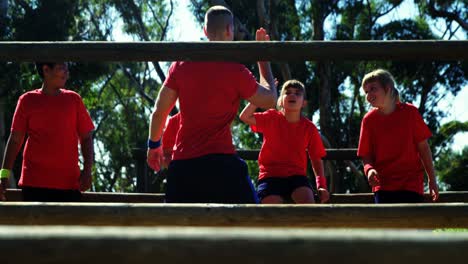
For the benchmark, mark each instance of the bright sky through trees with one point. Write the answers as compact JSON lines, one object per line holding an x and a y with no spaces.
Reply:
{"x":185,"y":28}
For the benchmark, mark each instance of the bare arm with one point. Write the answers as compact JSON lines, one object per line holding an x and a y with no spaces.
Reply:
{"x":164,"y":103}
{"x":247,"y":115}
{"x":266,"y":94}
{"x":371,"y":174}
{"x":15,"y":141}
{"x":425,"y":154}
{"x":317,"y":167}
{"x":87,"y":150}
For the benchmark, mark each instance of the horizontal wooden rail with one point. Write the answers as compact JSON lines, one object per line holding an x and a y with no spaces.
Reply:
{"x":14,"y":195}
{"x":235,"y":51}
{"x":346,"y":216}
{"x":332,"y":154}
{"x":57,"y":245}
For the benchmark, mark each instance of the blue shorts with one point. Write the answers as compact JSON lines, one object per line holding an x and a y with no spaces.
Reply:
{"x":282,"y":186}
{"x":398,"y":197}
{"x":213,"y":178}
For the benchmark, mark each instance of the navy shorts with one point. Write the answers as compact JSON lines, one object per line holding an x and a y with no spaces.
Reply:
{"x":33,"y":194}
{"x":282,"y":186}
{"x":213,"y":178}
{"x":398,"y":197}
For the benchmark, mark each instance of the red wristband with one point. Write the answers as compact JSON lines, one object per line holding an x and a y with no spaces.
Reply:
{"x":321,"y":182}
{"x":367,"y":168}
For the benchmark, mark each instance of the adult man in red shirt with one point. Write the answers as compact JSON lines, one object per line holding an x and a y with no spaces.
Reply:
{"x":54,"y":120}
{"x":205,"y":167}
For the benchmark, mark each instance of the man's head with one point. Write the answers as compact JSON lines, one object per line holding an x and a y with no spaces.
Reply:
{"x":219,"y":25}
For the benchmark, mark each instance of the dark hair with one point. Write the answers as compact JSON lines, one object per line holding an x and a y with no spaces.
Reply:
{"x":39,"y":66}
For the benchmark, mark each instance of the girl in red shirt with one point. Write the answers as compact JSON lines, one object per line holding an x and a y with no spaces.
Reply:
{"x":287,"y":135}
{"x":393,"y":144}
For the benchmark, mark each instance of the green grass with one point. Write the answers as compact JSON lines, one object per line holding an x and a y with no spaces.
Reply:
{"x":452,"y":230}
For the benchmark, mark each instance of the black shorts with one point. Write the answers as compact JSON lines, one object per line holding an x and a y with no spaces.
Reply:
{"x":213,"y":178}
{"x":398,"y":197}
{"x":282,"y":186}
{"x":33,"y":194}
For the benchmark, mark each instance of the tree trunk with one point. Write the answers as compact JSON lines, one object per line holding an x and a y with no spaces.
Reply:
{"x":319,"y":13}
{"x":2,"y":128}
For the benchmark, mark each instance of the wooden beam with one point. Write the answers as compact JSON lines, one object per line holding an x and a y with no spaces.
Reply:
{"x":345,"y":216}
{"x":14,"y":195}
{"x":235,"y":51}
{"x":76,"y":245}
{"x":332,"y":154}
{"x":102,"y":197}
{"x":360,"y":198}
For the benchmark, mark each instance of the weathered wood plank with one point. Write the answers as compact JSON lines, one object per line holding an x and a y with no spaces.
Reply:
{"x":227,"y":245}
{"x":235,"y":51}
{"x":102,"y":197}
{"x":348,"y":216}
{"x":14,"y":195}
{"x":332,"y":154}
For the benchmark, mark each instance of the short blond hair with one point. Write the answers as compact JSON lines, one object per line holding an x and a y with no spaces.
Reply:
{"x":385,"y":78}
{"x":216,"y":19}
{"x":291,"y":84}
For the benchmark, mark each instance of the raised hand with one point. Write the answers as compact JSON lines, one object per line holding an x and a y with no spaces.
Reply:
{"x":261,"y":35}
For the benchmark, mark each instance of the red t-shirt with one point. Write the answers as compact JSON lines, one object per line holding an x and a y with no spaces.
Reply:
{"x":170,"y":133}
{"x":53,"y":125}
{"x":285,"y":144}
{"x":209,"y":96}
{"x":391,"y":141}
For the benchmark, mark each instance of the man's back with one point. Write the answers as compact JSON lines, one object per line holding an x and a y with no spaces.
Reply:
{"x":209,"y":95}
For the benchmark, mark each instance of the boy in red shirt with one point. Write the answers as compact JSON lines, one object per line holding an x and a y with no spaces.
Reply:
{"x":287,"y":135}
{"x":205,"y":167}
{"x":393,"y":144}
{"x":54,"y":120}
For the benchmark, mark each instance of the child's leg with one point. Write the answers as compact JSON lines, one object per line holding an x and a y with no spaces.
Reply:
{"x":272,"y":199}
{"x":300,"y":189}
{"x":271,"y":190}
{"x":303,"y":195}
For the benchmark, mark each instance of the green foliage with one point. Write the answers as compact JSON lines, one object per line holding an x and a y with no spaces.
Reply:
{"x":452,"y":168}
{"x":118,"y":96}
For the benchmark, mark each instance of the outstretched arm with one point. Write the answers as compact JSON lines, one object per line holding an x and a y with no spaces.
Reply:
{"x":425,"y":154}
{"x":266,"y":94}
{"x":15,"y":141}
